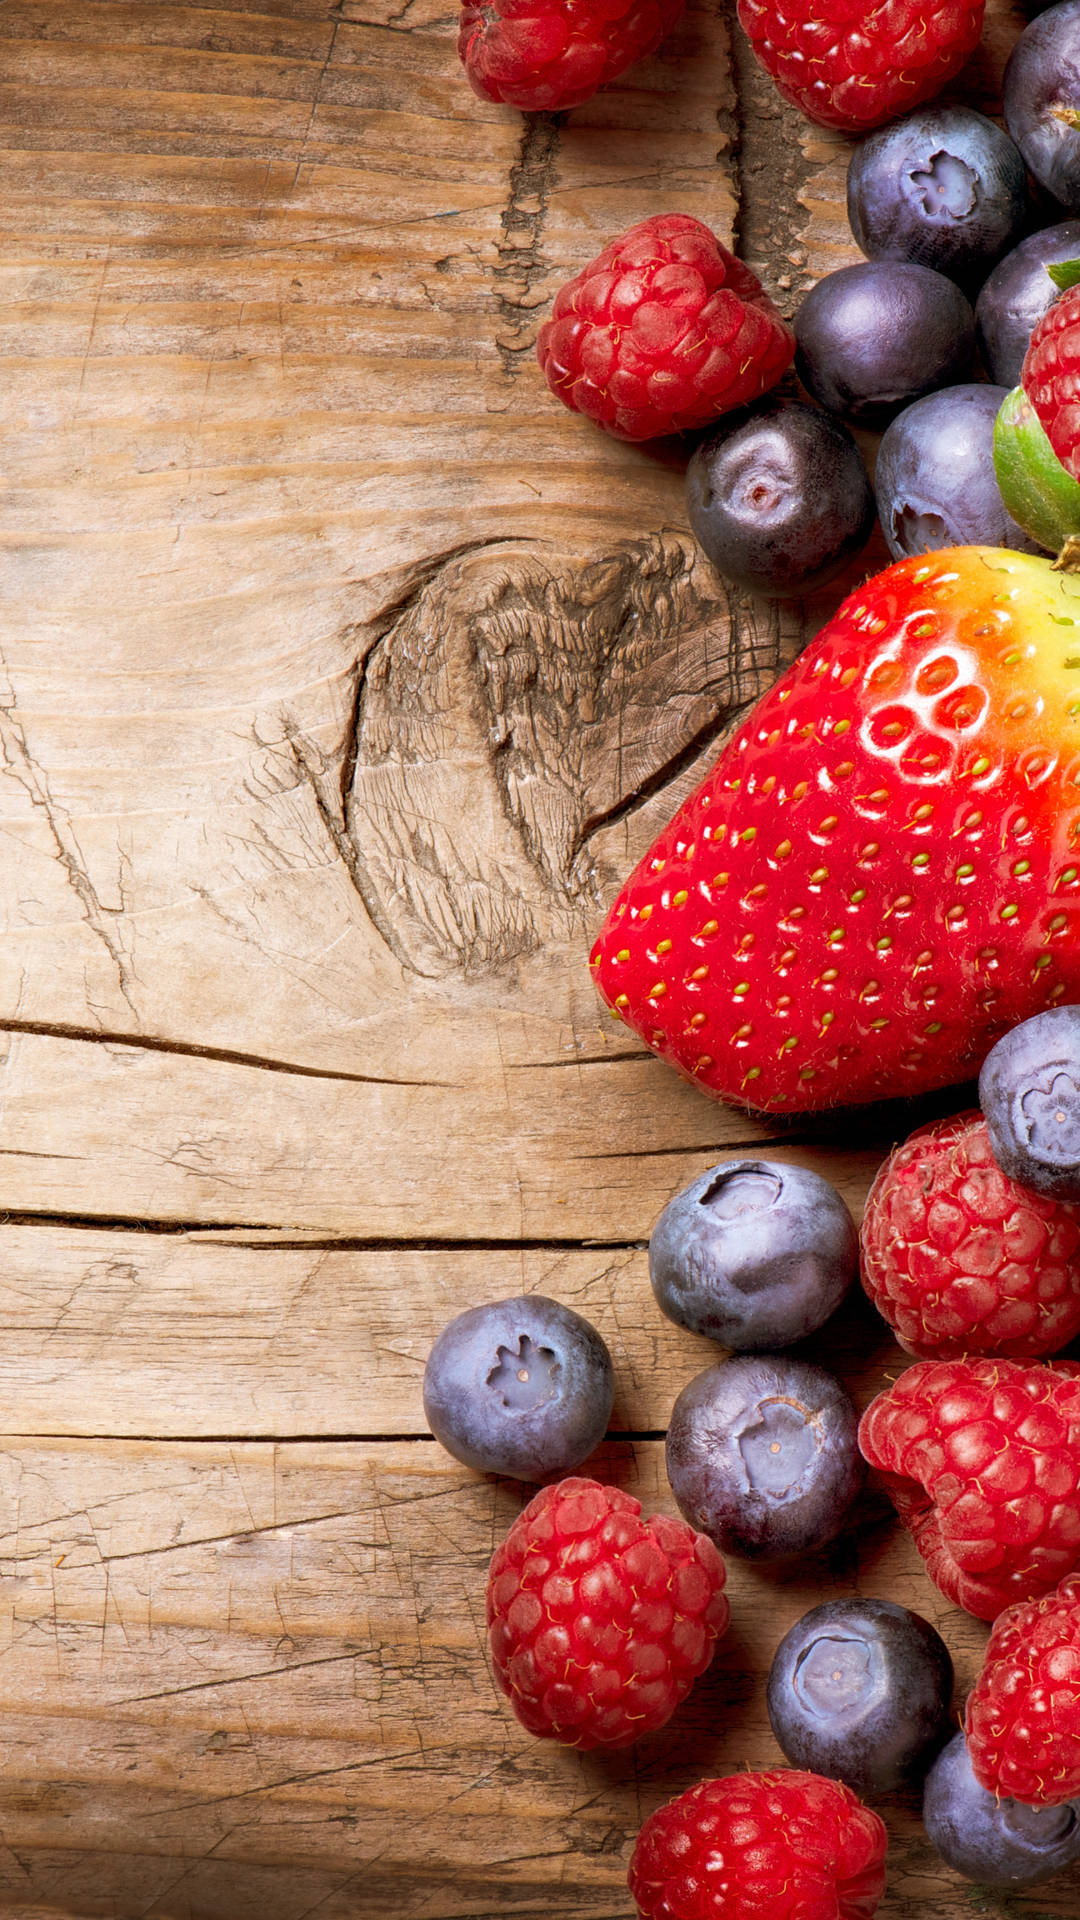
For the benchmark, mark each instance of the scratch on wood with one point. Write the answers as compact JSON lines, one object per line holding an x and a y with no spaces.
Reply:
{"x":242,"y":1679}
{"x":315,"y":97}
{"x":32,"y":777}
{"x":320,"y":770}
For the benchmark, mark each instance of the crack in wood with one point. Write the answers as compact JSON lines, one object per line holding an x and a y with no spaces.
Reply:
{"x":192,"y":1050}
{"x":331,"y":776}
{"x":634,"y":1058}
{"x":532,"y":178}
{"x":706,"y":736}
{"x":756,"y":1145}
{"x":622,"y":1436}
{"x":769,"y":170}
{"x":284,"y":1238}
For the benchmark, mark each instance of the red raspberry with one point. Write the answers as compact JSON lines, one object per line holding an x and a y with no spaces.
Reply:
{"x":1023,"y":1717}
{"x":600,"y":1621}
{"x":760,"y":1846}
{"x":981,"y":1459}
{"x":961,"y":1260}
{"x":549,"y":54}
{"x":663,"y":330}
{"x":854,"y":63}
{"x":1050,"y":377}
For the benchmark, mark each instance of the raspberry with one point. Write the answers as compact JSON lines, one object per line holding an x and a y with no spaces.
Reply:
{"x":851,"y":63}
{"x":961,"y":1260}
{"x":1050,"y":377}
{"x":981,"y":1460}
{"x":1023,"y":1717}
{"x":600,"y":1621}
{"x":550,"y":54}
{"x":663,"y":330}
{"x":760,"y":1846}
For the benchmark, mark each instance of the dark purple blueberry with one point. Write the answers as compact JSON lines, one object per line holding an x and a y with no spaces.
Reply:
{"x":754,"y":1254}
{"x":522,"y":1387}
{"x":1000,"y":1843}
{"x":935,"y":479}
{"x":860,"y":1690}
{"x":943,"y":187}
{"x":1041,"y":98}
{"x":873,"y":337}
{"x":1017,"y":294}
{"x":762,"y":1455}
{"x":780,"y":500}
{"x":1029,"y":1091}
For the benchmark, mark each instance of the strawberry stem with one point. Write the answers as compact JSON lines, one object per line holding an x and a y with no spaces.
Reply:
{"x":1068,"y":560}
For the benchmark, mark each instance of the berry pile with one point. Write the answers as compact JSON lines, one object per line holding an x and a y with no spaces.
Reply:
{"x":600,"y":1620}
{"x":875,"y":890}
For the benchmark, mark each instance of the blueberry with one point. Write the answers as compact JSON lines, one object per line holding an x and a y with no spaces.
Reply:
{"x":522,"y":1387}
{"x":943,"y":187}
{"x":872,"y":337}
{"x":754,"y":1254}
{"x":779,"y":501}
{"x":762,"y":1455}
{"x":1000,"y":1843}
{"x":1017,"y":294}
{"x":1029,"y":1091}
{"x":935,"y":479}
{"x":860,"y":1690}
{"x":1041,"y":97}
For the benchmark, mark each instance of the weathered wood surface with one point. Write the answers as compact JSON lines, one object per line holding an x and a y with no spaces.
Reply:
{"x":342,"y":675}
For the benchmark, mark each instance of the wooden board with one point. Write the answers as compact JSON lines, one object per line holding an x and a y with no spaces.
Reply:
{"x":342,"y":676}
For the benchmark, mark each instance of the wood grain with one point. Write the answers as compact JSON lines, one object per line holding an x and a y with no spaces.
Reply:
{"x":343,"y":675}
{"x":168,"y":1336}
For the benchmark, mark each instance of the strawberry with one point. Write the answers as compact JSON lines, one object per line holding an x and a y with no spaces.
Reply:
{"x":881,"y":873}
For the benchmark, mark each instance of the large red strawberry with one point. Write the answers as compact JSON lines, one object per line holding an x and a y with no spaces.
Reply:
{"x":855,"y":63}
{"x":882,"y":871}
